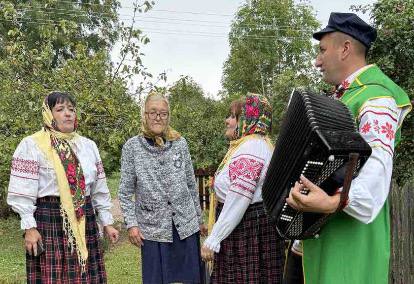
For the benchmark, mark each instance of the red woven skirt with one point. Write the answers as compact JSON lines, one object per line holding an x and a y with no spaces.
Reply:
{"x":252,"y":253}
{"x":58,"y":264}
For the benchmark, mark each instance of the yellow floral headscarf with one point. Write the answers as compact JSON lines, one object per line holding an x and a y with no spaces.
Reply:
{"x":169,"y":133}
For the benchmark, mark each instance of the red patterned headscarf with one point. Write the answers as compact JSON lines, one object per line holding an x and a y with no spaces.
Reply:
{"x":256,"y":116}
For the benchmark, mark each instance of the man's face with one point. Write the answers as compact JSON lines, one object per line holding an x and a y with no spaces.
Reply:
{"x":329,"y":59}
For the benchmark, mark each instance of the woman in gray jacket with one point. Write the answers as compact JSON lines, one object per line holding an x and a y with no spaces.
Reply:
{"x":159,"y":198}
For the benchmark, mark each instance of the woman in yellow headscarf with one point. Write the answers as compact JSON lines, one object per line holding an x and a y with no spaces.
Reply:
{"x":57,"y":181}
{"x":159,"y":198}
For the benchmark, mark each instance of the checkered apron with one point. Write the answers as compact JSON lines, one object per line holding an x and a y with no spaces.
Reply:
{"x":58,"y":264}
{"x":252,"y":253}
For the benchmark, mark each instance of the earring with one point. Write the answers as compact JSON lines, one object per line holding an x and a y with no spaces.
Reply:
{"x":54,"y":125}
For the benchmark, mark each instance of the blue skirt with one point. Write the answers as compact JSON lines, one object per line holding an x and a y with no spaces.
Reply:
{"x":178,"y":261}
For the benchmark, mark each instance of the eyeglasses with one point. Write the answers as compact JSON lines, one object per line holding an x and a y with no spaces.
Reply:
{"x":154,"y":114}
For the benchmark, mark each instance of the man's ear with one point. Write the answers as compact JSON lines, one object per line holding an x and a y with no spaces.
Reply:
{"x":346,"y":49}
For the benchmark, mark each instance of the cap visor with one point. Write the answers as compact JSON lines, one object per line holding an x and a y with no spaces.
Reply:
{"x":321,"y":33}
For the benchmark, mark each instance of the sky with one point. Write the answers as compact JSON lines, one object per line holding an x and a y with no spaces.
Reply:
{"x":189,"y":37}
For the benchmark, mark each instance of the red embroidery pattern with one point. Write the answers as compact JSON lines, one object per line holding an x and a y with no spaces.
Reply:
{"x":366,"y":127}
{"x":247,"y":168}
{"x":389,"y":132}
{"x":376,"y":126}
{"x":25,"y":166}
{"x":345,"y":84}
{"x":100,"y":170}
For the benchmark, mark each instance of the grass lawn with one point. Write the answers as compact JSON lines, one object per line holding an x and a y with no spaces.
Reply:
{"x":122,"y":260}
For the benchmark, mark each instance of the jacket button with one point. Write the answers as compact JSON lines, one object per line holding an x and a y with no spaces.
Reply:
{"x":169,"y":203}
{"x":177,"y":225}
{"x":173,"y":213}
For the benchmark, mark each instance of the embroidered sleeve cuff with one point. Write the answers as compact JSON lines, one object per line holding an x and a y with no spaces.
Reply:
{"x":27,"y":222}
{"x":213,"y":244}
{"x":105,"y":217}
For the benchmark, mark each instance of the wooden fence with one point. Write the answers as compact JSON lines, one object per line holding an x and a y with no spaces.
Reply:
{"x":203,"y":190}
{"x":402,"y":234}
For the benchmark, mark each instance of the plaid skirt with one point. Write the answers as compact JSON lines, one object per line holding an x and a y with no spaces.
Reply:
{"x":252,"y":253}
{"x":57,"y":264}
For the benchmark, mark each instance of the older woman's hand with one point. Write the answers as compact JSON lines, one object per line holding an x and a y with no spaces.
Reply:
{"x":203,"y":230}
{"x":111,"y":233}
{"x":31,"y":237}
{"x":135,"y":236}
{"x":207,"y":254}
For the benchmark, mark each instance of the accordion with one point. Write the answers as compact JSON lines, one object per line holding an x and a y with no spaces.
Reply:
{"x":318,"y":139}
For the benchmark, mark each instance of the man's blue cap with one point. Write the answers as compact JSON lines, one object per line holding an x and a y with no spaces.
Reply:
{"x":349,"y":24}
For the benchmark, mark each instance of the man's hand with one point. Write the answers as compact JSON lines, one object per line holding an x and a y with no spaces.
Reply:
{"x":135,"y":236}
{"x":111,"y":233}
{"x":316,"y":201}
{"x":31,"y":237}
{"x":207,"y":254}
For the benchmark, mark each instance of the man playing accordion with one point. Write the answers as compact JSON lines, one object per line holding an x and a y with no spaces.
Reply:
{"x":354,"y":246}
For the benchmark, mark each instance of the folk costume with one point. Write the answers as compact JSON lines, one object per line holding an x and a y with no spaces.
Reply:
{"x":354,"y":246}
{"x":246,"y":245}
{"x":57,"y":181}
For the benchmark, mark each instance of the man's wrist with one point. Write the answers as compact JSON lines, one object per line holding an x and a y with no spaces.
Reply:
{"x":335,"y":199}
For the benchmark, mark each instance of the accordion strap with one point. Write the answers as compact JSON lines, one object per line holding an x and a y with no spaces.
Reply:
{"x":350,"y":169}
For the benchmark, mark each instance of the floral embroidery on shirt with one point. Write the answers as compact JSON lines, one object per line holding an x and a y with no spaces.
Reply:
{"x":366,"y":127}
{"x":387,"y":129}
{"x":376,"y":126}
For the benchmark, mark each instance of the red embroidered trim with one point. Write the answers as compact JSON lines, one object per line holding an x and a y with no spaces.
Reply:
{"x":239,"y":193}
{"x":25,"y":166}
{"x":384,"y":144}
{"x":243,"y":187}
{"x":249,"y":169}
{"x":379,"y":113}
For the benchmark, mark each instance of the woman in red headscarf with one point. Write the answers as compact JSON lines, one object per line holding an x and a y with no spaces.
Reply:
{"x":243,"y":244}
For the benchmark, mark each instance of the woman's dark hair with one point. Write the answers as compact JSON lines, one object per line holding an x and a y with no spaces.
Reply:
{"x":58,"y":98}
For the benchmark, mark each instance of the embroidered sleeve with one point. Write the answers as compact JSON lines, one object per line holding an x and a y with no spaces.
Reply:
{"x":369,"y":190}
{"x":101,"y":198}
{"x":378,"y":124}
{"x":245,"y":169}
{"x":24,"y":182}
{"x":244,"y":172}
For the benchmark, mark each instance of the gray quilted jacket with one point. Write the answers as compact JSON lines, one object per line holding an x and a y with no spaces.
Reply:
{"x":158,"y":188}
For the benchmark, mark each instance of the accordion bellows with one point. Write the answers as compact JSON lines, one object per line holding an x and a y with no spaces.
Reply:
{"x":317,"y":135}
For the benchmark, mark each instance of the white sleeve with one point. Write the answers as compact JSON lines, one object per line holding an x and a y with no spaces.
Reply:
{"x":244,"y":174}
{"x":378,"y":122}
{"x":24,"y":182}
{"x":101,"y":198}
